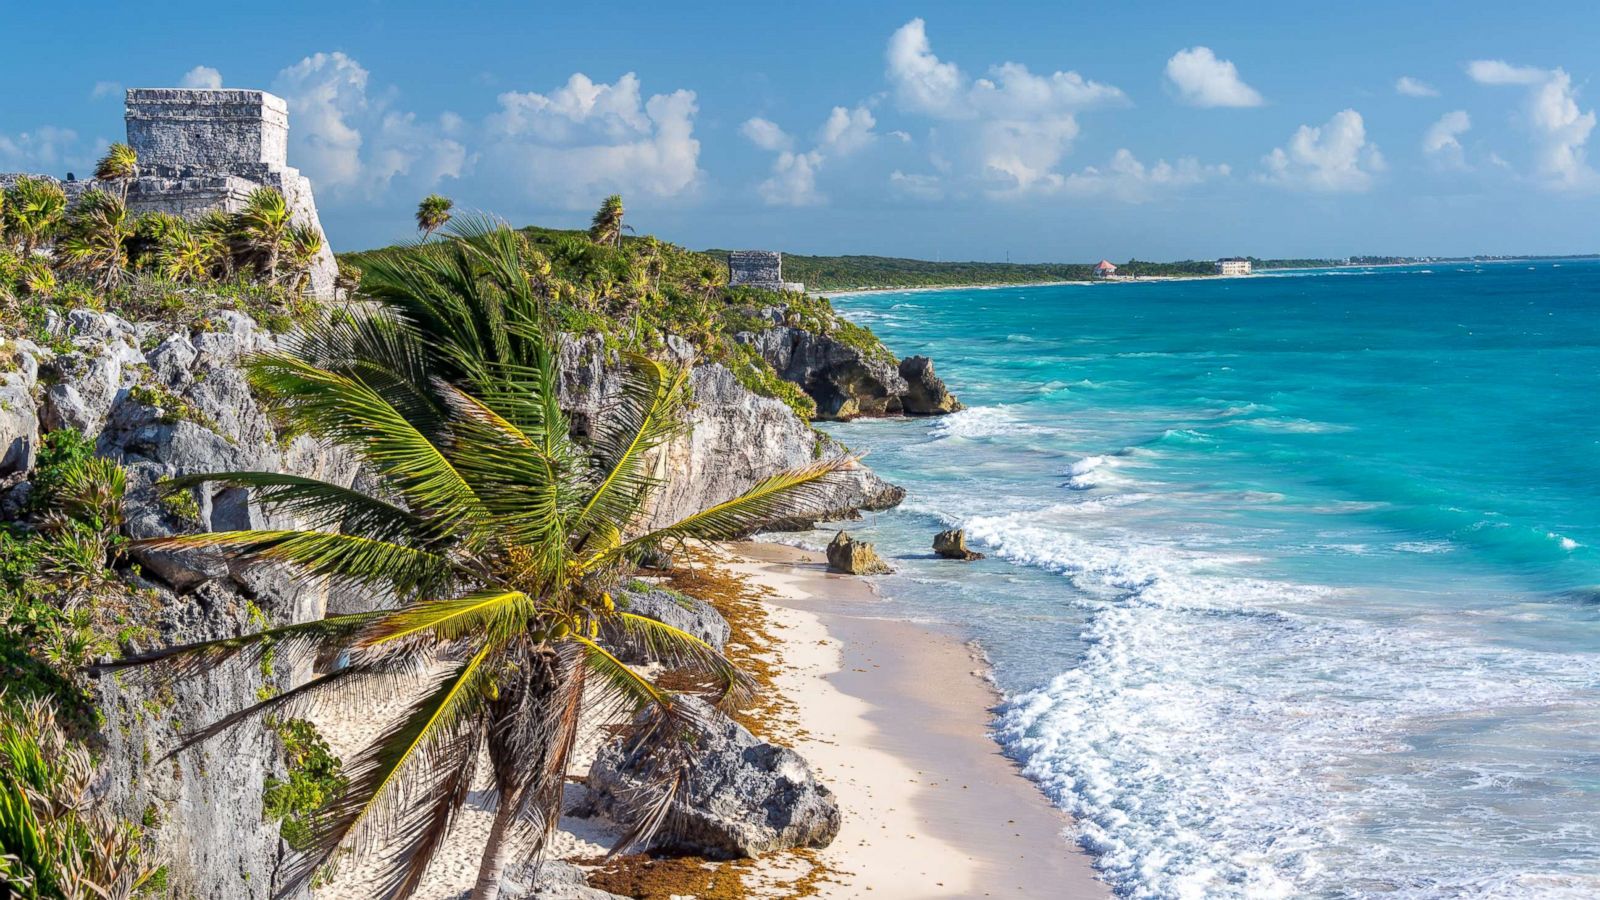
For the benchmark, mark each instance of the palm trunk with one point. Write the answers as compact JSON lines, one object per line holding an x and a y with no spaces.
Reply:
{"x":492,"y":868}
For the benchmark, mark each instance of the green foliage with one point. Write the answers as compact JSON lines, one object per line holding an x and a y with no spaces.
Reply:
{"x":56,"y":842}
{"x":34,"y":209}
{"x":316,"y":778}
{"x":432,"y":213}
{"x":95,"y":239}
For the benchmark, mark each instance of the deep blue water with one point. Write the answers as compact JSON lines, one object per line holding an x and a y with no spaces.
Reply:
{"x":1294,"y":580}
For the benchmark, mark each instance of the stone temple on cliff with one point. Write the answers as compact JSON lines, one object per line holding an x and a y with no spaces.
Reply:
{"x":759,"y":269}
{"x":205,"y":150}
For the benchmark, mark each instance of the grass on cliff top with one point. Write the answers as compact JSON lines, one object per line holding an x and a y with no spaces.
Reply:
{"x":636,"y":294}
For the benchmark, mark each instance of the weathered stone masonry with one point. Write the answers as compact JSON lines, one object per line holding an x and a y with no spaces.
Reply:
{"x":759,"y":269}
{"x":203,"y":151}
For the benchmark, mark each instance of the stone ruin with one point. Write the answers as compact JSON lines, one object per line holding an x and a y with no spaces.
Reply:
{"x":760,"y":269}
{"x":203,"y":151}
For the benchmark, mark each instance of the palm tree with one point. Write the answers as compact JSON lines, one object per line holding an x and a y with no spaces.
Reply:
{"x":432,"y":213}
{"x":606,"y":226}
{"x":500,"y":537}
{"x":263,"y":225}
{"x":34,"y":208}
{"x":305,"y":243}
{"x":95,"y":238}
{"x":215,"y":237}
{"x":120,"y":166}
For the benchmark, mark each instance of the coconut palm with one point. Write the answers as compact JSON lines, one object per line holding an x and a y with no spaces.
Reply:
{"x":432,"y":213}
{"x":498,"y":535}
{"x":606,"y":227}
{"x":263,"y":226}
{"x":34,"y":209}
{"x":119,"y":166}
{"x":94,"y":240}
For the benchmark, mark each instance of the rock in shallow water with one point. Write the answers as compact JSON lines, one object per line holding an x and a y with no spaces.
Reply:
{"x":853,"y":557}
{"x":926,"y":394}
{"x":743,"y":797}
{"x":952,"y":544}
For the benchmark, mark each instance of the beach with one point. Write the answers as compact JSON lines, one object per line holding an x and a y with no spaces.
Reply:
{"x":895,"y":718}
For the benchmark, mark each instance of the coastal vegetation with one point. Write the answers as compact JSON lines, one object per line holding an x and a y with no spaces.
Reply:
{"x":500,"y":536}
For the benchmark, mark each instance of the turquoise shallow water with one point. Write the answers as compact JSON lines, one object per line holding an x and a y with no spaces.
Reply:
{"x":1294,"y":581}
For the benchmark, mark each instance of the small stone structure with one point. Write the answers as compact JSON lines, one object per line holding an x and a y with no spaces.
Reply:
{"x":759,"y":269}
{"x":203,"y":151}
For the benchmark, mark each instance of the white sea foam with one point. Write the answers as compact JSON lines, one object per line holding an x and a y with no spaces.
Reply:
{"x":983,"y":422}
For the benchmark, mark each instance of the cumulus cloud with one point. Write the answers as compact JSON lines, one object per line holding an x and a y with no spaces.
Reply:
{"x":1009,"y":130}
{"x":201,"y":77}
{"x":43,"y":149}
{"x":1406,"y":86}
{"x":104,"y":89}
{"x":1126,"y":178}
{"x":1559,"y":129}
{"x":1333,"y":157}
{"x":1205,"y":81}
{"x":793,"y":181}
{"x":349,"y":141}
{"x":1442,"y":142}
{"x":766,"y":134}
{"x":585,"y":139}
{"x":916,"y":186}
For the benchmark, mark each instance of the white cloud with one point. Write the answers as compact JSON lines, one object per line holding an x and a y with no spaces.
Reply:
{"x":1560,"y":130}
{"x":44,"y":149}
{"x":1126,"y":178}
{"x":349,"y":141}
{"x":1007,"y":131}
{"x":1333,"y":157}
{"x":586,"y":139}
{"x":766,"y":134}
{"x":201,"y":77}
{"x":1406,"y":86}
{"x":848,"y":130}
{"x":1205,"y":81}
{"x":793,"y":181}
{"x":104,"y":89}
{"x":920,"y":187}
{"x":1442,"y":142}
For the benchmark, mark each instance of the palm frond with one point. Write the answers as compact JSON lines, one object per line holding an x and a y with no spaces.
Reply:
{"x":319,"y":504}
{"x":203,"y":655}
{"x":347,"y":557}
{"x":678,"y":649}
{"x":495,"y":613}
{"x":646,"y":414}
{"x":374,"y":809}
{"x":784,"y":494}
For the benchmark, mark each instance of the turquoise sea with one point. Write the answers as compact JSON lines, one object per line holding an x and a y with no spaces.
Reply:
{"x":1294,"y":580}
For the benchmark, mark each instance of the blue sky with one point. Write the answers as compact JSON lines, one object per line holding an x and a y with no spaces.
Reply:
{"x":1042,"y":131}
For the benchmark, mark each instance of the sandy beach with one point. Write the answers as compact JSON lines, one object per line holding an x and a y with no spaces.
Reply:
{"x":894,"y":717}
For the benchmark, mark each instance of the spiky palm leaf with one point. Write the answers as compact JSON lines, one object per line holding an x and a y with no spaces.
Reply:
{"x":95,"y":239}
{"x":497,"y":535}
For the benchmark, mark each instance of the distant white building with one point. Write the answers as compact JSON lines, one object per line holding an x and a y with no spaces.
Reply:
{"x":1104,"y":269}
{"x":1233,"y":265}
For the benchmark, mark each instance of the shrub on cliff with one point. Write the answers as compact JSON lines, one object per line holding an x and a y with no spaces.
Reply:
{"x":500,"y":536}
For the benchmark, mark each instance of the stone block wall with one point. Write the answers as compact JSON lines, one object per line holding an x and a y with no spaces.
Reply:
{"x":184,"y":131}
{"x":755,"y":267}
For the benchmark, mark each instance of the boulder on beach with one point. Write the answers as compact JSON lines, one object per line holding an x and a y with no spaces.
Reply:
{"x":681,"y":611}
{"x":952,"y":544}
{"x":853,"y":557}
{"x":743,"y":796}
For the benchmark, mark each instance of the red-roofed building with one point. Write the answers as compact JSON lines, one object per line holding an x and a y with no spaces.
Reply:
{"x":1104,"y":269}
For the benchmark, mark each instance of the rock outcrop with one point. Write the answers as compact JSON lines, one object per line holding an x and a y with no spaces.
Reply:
{"x":925,"y":394}
{"x":952,"y":544}
{"x":743,"y":797}
{"x":551,"y":880}
{"x":852,"y":557}
{"x":681,"y":611}
{"x":165,"y":401}
{"x":848,"y":381}
{"x":736,"y":438}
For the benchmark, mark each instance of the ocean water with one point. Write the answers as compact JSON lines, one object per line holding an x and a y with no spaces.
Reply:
{"x":1294,"y":580}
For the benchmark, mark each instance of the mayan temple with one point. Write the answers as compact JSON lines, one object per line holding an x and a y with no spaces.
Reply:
{"x":202,"y":151}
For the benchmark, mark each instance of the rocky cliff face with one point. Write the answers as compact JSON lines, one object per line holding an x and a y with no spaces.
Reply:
{"x":845,"y":380}
{"x":166,"y":401}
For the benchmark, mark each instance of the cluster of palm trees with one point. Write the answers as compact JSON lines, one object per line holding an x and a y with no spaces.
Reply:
{"x":98,"y":240}
{"x":499,"y":537}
